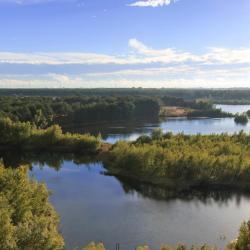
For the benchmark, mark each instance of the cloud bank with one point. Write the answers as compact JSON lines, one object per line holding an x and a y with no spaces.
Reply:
{"x":141,"y":66}
{"x":139,"y":54}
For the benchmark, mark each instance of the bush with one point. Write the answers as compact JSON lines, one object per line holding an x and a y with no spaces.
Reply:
{"x":157,"y":134}
{"x":241,"y":118}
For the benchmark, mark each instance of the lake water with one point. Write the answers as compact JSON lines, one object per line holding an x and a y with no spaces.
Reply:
{"x":95,"y":207}
{"x":131,"y":130}
{"x":234,"y":108}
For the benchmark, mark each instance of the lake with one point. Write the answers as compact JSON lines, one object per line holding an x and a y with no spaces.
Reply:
{"x":131,"y":130}
{"x":233,"y":108}
{"x":96,"y":207}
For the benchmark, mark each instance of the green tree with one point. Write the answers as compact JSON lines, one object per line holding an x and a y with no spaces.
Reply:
{"x":93,"y":246}
{"x":27,"y":219}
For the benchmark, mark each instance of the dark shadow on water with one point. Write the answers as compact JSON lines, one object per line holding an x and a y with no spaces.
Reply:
{"x":203,"y":195}
{"x":53,"y":160}
{"x":114,"y":127}
{"x":129,"y":186}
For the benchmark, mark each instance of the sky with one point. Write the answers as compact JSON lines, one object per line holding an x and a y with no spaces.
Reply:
{"x":124,"y":43}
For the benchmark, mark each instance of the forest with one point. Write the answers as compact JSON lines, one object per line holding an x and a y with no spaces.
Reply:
{"x":45,"y":111}
{"x":24,"y":136}
{"x":184,"y":161}
{"x":227,"y":96}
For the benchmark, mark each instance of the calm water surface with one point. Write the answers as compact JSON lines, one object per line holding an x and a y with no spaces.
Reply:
{"x":234,"y":108}
{"x":95,"y":207}
{"x":131,"y":130}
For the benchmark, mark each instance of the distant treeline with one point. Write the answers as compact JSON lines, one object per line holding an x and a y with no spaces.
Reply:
{"x":44,"y":111}
{"x":221,"y":95}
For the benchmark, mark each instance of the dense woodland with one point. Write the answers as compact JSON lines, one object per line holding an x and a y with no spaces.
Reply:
{"x":45,"y":111}
{"x":184,"y":161}
{"x":24,"y":136}
{"x":234,"y":95}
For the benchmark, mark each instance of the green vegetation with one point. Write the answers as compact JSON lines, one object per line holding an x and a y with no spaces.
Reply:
{"x":93,"y":246}
{"x":44,"y":111}
{"x":232,"y":96}
{"x":210,"y":113}
{"x":184,"y":161}
{"x":27,"y":137}
{"x":27,"y":220}
{"x":241,"y":118}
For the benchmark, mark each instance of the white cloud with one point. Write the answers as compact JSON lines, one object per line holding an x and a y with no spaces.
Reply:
{"x":141,"y":66}
{"x":139,"y":54}
{"x":81,"y":82}
{"x":177,"y":77}
{"x":151,"y":3}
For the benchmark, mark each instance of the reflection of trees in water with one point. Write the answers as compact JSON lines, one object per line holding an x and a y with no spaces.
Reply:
{"x":53,"y":160}
{"x":202,"y":195}
{"x":56,"y":160}
{"x":117,"y":127}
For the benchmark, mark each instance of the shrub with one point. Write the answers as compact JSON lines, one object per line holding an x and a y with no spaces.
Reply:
{"x":241,"y":118}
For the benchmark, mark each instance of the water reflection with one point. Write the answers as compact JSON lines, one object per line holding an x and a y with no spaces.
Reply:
{"x":202,"y":195}
{"x":52,"y":160}
{"x":97,"y":207}
{"x":56,"y":161}
{"x":113,"y":132}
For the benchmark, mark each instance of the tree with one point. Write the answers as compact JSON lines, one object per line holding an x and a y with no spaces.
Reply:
{"x":27,"y":219}
{"x":157,"y":134}
{"x":93,"y":246}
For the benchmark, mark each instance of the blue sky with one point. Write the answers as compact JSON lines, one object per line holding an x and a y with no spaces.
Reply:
{"x":125,"y":43}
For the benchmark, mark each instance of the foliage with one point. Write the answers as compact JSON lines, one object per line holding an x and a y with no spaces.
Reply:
{"x":157,"y":134}
{"x":213,"y":112}
{"x":44,"y":111}
{"x":237,"y":96}
{"x":184,"y":160}
{"x":26,"y":136}
{"x":243,"y":240}
{"x":27,"y":220}
{"x":93,"y":246}
{"x":241,"y":118}
{"x":142,"y":248}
